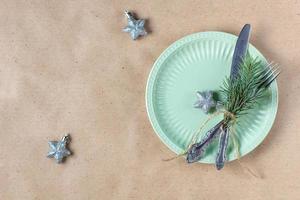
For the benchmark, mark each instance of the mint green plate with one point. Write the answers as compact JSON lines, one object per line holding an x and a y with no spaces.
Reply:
{"x":194,"y":63}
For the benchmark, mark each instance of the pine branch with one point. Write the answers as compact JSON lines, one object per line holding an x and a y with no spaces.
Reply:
{"x":243,"y":92}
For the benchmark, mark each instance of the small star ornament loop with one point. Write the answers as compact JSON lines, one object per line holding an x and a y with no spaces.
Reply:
{"x":135,"y":27}
{"x":58,"y":149}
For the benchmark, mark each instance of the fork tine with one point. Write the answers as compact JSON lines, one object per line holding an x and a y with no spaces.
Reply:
{"x":269,"y":77}
{"x":268,"y":70}
{"x":274,"y":67}
{"x":271,"y":80}
{"x":272,"y":70}
{"x":270,"y":64}
{"x":265,"y":76}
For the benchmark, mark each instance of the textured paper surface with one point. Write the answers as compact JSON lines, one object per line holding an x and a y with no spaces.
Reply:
{"x":65,"y":66}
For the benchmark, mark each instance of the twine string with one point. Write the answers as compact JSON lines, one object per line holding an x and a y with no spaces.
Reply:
{"x":196,"y":134}
{"x":233,"y":136}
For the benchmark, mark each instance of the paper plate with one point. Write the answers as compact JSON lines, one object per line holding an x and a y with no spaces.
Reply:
{"x":199,"y":62}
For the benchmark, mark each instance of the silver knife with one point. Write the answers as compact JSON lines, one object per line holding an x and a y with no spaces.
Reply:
{"x":240,"y":52}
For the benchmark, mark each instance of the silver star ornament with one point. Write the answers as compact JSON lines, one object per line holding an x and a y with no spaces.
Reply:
{"x":58,"y":149}
{"x":205,"y":101}
{"x":135,"y":27}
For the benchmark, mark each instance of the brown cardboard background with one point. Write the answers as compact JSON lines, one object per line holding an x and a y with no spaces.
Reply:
{"x":65,"y":66}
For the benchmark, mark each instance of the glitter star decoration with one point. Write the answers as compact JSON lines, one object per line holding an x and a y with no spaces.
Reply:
{"x":135,"y":26}
{"x":205,"y":101}
{"x":58,"y":149}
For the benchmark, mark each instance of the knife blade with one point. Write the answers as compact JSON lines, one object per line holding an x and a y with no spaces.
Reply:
{"x":240,"y":50}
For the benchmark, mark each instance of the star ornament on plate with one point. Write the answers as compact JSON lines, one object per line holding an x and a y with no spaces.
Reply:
{"x":58,"y":149}
{"x":135,"y":26}
{"x":205,"y":101}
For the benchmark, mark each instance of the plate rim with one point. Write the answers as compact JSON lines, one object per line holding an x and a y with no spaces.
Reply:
{"x":151,"y":83}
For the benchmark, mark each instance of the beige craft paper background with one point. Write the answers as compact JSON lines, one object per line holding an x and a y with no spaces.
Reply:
{"x":65,"y":66}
